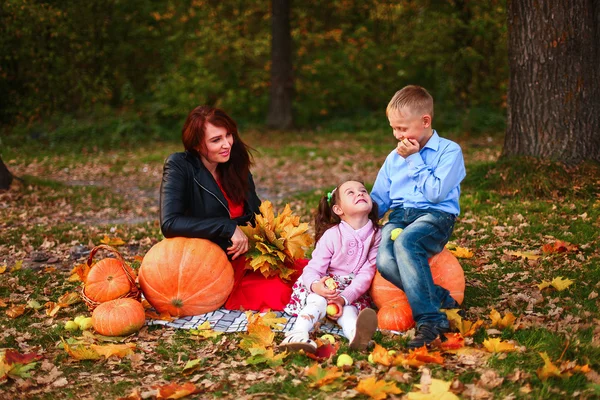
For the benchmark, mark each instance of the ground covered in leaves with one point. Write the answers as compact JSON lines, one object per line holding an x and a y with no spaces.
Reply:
{"x":527,"y":236}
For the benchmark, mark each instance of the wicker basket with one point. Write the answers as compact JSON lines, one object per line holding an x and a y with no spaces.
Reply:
{"x":134,"y":291}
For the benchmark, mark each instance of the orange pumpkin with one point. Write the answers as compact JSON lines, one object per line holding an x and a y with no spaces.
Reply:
{"x":183,"y":276}
{"x":109,"y":278}
{"x":120,"y":317}
{"x":395,"y":316}
{"x":446,"y":272}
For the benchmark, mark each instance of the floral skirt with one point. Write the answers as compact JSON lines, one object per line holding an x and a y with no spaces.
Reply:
{"x":300,"y":293}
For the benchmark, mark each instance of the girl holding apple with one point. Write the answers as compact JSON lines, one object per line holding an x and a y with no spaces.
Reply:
{"x":337,"y":278}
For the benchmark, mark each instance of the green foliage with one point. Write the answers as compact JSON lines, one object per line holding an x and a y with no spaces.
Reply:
{"x":164,"y":58}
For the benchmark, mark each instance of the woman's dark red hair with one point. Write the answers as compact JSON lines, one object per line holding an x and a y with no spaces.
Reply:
{"x":234,"y":173}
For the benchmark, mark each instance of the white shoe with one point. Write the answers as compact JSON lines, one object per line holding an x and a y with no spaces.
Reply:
{"x":366,"y":325}
{"x":296,"y":341}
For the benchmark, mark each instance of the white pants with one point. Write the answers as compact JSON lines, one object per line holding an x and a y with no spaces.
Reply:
{"x":315,"y":309}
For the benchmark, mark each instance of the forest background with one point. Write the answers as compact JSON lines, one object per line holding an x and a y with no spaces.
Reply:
{"x":134,"y":69}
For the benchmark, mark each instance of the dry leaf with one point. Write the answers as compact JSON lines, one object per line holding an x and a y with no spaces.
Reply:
{"x":436,"y":390}
{"x":175,"y":390}
{"x":322,"y":377}
{"x":558,"y":283}
{"x":502,"y":322}
{"x":112,"y":241}
{"x":377,"y":389}
{"x":496,"y":345}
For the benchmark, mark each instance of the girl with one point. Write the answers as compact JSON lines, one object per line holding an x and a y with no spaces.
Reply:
{"x":347,"y":237}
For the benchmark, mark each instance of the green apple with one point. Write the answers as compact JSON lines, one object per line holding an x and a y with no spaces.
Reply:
{"x":344,"y":360}
{"x":78,"y":319}
{"x":370,"y":359}
{"x":328,"y":338}
{"x":71,"y":326}
{"x":85,"y":323}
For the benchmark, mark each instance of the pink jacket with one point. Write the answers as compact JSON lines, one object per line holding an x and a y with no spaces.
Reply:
{"x":344,"y":251}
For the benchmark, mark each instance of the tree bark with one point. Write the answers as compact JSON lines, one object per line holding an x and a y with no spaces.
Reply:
{"x":282,"y":83}
{"x":554,"y":89}
{"x":5,"y":176}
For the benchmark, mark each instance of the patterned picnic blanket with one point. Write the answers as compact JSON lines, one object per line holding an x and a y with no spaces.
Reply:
{"x":223,"y":320}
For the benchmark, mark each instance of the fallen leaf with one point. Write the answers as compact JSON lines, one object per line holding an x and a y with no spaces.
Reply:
{"x":115,"y":241}
{"x":15,"y":311}
{"x":496,"y":345}
{"x":436,"y":390}
{"x":502,"y":322}
{"x":558,"y":283}
{"x":175,"y":390}
{"x":322,"y":378}
{"x":377,"y":389}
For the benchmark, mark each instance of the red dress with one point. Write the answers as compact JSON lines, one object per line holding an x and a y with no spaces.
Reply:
{"x":251,"y":290}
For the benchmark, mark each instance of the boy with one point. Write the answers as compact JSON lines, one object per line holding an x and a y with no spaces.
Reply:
{"x":420,"y":182}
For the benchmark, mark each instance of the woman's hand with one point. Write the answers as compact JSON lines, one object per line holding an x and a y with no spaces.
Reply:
{"x":321,"y":289}
{"x":239,"y":244}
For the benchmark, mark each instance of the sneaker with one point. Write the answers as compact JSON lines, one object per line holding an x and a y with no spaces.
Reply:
{"x":296,"y":341}
{"x":366,"y":325}
{"x":427,"y":333}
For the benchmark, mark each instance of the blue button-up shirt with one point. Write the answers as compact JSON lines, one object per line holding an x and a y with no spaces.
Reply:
{"x":429,"y":178}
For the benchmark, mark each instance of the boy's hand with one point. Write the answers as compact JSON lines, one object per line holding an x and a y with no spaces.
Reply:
{"x":321,"y":289}
{"x":406,"y":147}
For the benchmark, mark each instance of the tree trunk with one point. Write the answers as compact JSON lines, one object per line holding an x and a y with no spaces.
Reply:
{"x":5,"y":176}
{"x":282,"y":83}
{"x":554,"y":90}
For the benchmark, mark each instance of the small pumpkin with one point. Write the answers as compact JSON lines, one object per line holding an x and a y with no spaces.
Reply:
{"x":445,"y":270}
{"x":184,"y":276}
{"x":109,"y":278}
{"x":119,"y":317}
{"x":395,"y":316}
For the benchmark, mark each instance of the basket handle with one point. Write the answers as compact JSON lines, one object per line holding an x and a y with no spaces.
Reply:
{"x":118,"y":255}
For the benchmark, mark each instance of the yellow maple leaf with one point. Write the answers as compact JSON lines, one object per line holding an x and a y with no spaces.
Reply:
{"x":558,"y":283}
{"x":3,"y":268}
{"x":118,"y":350}
{"x":79,"y":273}
{"x":205,"y":331}
{"x":420,"y":356}
{"x":320,"y":377}
{"x":459,"y":252}
{"x":18,"y":265}
{"x":260,"y":355}
{"x":380,"y":355}
{"x":68,"y":299}
{"x":115,"y":241}
{"x":269,"y":319}
{"x":496,"y":345}
{"x":377,"y":389}
{"x":502,"y":322}
{"x":549,"y":369}
{"x":453,"y":317}
{"x":436,"y":390}
{"x":469,"y":328}
{"x":81,"y":352}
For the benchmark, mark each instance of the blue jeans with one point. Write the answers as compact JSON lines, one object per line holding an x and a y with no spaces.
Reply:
{"x":404,"y":261}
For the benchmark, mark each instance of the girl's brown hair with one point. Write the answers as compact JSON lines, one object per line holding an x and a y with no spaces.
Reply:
{"x":234,"y":173}
{"x":326,"y":218}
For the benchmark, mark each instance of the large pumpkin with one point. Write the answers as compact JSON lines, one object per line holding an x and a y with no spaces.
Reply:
{"x":109,"y":278}
{"x":395,"y":316}
{"x":446,"y":272}
{"x":183,"y":276}
{"x":120,"y":317}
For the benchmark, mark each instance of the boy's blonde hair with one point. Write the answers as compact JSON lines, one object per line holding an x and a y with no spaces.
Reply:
{"x":416,"y":98}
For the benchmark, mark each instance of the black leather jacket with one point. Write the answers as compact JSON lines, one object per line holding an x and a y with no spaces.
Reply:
{"x":192,"y":204}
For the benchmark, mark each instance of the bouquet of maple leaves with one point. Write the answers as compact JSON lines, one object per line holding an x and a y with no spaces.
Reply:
{"x":276,"y":242}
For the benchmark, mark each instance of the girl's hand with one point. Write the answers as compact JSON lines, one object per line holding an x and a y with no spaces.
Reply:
{"x":239,"y":244}
{"x":321,"y":289}
{"x":340,"y":303}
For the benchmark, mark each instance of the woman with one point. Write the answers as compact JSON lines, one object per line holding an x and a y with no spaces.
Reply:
{"x":208,"y":192}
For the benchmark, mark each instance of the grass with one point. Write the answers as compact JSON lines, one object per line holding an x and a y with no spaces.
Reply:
{"x":510,"y":209}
